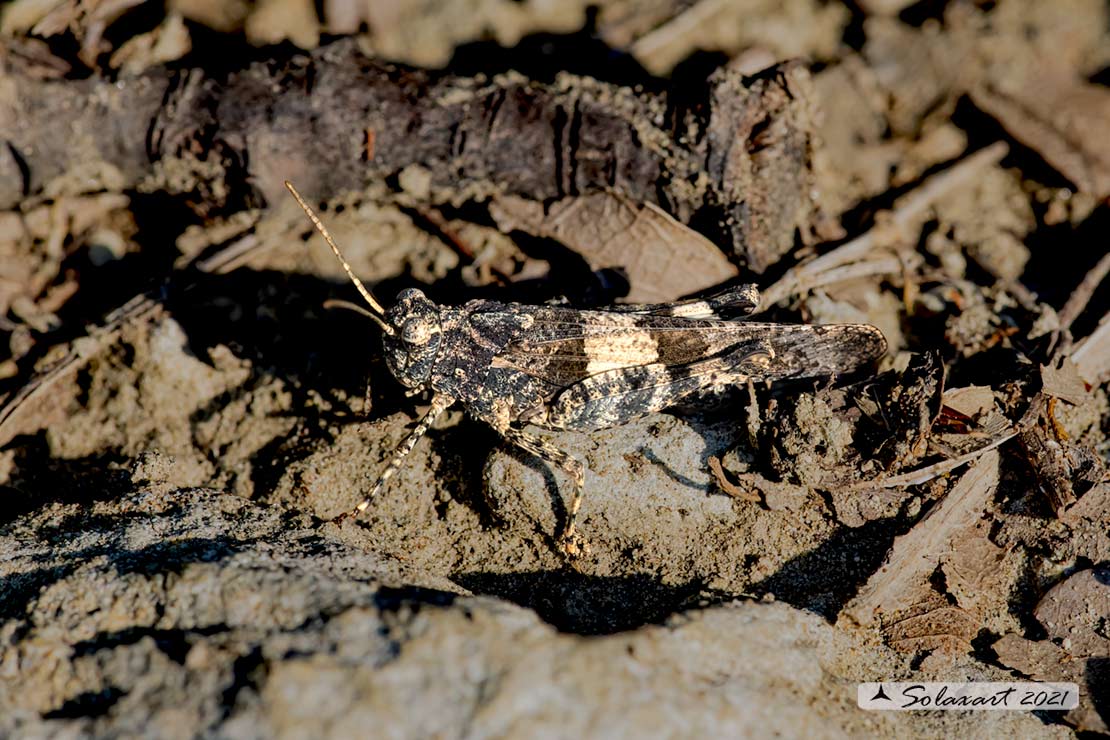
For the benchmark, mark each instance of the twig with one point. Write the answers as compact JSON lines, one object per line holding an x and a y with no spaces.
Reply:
{"x":874,"y":265}
{"x":1081,"y":296}
{"x":231,"y":256}
{"x":680,"y":26}
{"x":81,"y":350}
{"x":927,"y":473}
{"x":728,"y":486}
{"x":802,"y":277}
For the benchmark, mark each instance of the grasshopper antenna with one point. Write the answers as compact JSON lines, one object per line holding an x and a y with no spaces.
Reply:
{"x":378,"y":314}
{"x":347,"y":305}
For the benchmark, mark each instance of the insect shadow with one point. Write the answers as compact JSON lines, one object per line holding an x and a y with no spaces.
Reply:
{"x":586,"y":604}
{"x":468,"y":471}
{"x":824,"y":579}
{"x":649,"y":455}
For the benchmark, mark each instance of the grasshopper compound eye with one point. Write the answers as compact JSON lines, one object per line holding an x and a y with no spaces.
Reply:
{"x":417,"y":331}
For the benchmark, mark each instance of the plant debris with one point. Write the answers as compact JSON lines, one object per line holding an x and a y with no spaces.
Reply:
{"x":610,"y":232}
{"x":182,"y":411}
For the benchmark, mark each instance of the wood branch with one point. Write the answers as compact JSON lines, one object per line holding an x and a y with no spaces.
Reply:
{"x":610,"y":231}
{"x":1083,"y":292}
{"x":805,"y":276}
{"x":228,"y":142}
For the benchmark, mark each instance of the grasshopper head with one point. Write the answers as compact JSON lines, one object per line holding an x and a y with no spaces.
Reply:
{"x":411,"y":328}
{"x":412,"y":347}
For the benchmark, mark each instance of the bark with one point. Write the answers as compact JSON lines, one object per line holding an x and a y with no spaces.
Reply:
{"x":335,"y":120}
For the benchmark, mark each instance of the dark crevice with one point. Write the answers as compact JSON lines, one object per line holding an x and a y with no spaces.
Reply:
{"x":248,"y":671}
{"x":88,"y":705}
{"x":542,"y":56}
{"x":175,"y":644}
{"x":39,"y":477}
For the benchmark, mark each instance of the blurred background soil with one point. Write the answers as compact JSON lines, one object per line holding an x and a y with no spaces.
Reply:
{"x":181,"y":417}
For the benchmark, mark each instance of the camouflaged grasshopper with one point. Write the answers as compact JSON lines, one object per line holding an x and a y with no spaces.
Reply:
{"x":553,"y":367}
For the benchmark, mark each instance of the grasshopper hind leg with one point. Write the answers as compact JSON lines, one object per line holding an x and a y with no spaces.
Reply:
{"x":569,"y":539}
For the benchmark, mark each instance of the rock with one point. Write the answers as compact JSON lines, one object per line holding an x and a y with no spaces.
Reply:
{"x":192,"y":612}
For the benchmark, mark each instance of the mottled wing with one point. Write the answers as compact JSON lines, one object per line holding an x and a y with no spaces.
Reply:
{"x":730,"y":302}
{"x":565,"y":346}
{"x":614,"y":397}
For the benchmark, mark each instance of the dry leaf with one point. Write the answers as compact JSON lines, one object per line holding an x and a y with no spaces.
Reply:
{"x":1044,"y":661}
{"x":1075,"y":613}
{"x":1093,"y":507}
{"x":1033,"y":657}
{"x":904,"y":578}
{"x":972,"y":435}
{"x":971,"y":570}
{"x":933,"y":625}
{"x":1064,"y":382}
{"x":1092,"y":355}
{"x":971,"y":401}
{"x":662,"y":259}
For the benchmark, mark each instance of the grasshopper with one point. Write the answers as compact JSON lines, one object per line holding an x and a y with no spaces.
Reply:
{"x":512,"y":365}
